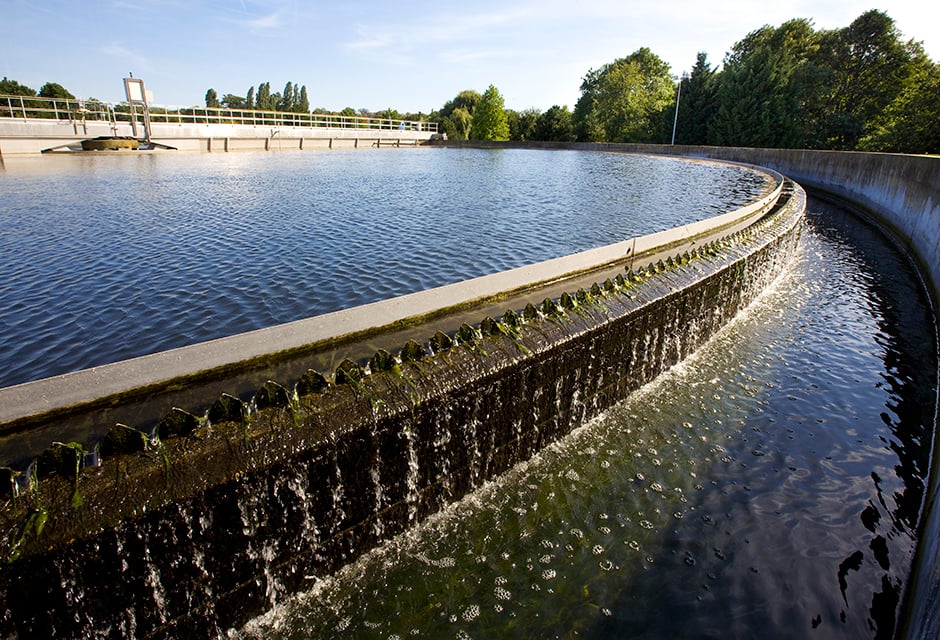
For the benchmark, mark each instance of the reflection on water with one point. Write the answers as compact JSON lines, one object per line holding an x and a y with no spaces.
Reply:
{"x":768,"y":487}
{"x":108,"y":257}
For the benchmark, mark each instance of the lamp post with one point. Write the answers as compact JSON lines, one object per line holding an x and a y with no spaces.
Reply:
{"x":675,"y":119}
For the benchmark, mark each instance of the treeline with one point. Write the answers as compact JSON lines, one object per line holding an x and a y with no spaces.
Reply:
{"x":861,"y":87}
{"x":472,"y":116}
{"x":292,"y":99}
{"x":48,"y":90}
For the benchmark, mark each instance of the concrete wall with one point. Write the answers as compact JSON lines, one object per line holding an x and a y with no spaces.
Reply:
{"x":901,"y":191}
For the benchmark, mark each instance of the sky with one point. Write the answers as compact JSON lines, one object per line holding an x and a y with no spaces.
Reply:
{"x":409,"y":56}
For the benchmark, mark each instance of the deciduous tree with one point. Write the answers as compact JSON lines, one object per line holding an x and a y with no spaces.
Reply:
{"x":555,"y":125}
{"x":522,"y":124}
{"x":455,"y":117}
{"x":489,"y":117}
{"x":55,"y":90}
{"x":625,"y":101}
{"x":232,"y":101}
{"x":911,"y":123}
{"x":14,"y":88}
{"x":870,"y":67}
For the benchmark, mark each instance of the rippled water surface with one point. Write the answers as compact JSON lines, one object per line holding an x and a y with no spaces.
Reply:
{"x":769,"y":487}
{"x":103,"y":258}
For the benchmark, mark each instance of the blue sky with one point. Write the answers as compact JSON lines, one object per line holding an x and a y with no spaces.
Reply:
{"x":411,"y":56}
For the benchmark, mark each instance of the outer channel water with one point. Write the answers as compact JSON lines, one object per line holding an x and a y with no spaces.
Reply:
{"x":770,"y":486}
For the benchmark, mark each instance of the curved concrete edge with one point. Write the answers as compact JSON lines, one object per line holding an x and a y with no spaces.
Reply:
{"x":30,"y":401}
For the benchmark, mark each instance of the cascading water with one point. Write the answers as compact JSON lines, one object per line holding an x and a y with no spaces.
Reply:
{"x":768,"y":486}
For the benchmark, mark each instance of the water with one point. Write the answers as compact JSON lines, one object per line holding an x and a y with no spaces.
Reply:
{"x":104,"y":257}
{"x":768,"y":487}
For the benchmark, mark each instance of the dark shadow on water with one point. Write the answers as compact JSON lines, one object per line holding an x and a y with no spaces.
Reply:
{"x":811,"y":533}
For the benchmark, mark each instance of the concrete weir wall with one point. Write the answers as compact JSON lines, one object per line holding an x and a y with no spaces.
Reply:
{"x":192,"y":529}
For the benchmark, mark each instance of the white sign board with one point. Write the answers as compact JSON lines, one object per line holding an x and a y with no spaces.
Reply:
{"x":134,"y":88}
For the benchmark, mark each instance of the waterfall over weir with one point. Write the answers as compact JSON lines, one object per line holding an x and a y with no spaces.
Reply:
{"x":211,"y":520}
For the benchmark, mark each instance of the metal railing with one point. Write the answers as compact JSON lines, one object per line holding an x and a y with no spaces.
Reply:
{"x":74,"y":110}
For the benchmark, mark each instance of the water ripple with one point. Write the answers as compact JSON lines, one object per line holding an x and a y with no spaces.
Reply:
{"x":105,"y":258}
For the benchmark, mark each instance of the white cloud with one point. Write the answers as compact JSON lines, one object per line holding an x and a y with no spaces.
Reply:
{"x":262,"y":23}
{"x":132,"y":58}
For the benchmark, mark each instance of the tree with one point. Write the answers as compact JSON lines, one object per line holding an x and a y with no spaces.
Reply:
{"x":489,"y":118}
{"x":232,"y":101}
{"x":696,"y":103}
{"x":911,"y":123}
{"x":264,"y":101}
{"x":212,"y":99}
{"x":754,"y":106}
{"x":869,"y":67}
{"x":522,"y":124}
{"x":455,"y":117}
{"x":286,"y":103}
{"x":55,"y":90}
{"x":303,"y":103}
{"x":758,"y":97}
{"x":555,"y":125}
{"x":14,"y":88}
{"x":250,"y":98}
{"x":626,"y":100}
{"x":457,"y":124}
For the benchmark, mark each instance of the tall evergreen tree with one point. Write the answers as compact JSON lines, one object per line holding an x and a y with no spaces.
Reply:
{"x":696,"y":103}
{"x":303,"y":103}
{"x":212,"y":99}
{"x":758,"y":100}
{"x":264,"y":101}
{"x":286,"y":103}
{"x":250,"y":98}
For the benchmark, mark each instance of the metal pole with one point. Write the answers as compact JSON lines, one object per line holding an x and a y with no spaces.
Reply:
{"x":675,"y":120}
